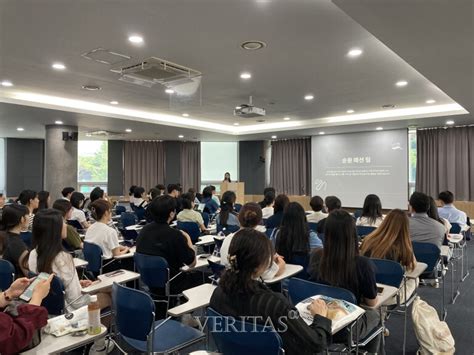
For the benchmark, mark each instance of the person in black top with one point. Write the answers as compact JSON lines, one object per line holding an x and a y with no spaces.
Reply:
{"x":12,"y":247}
{"x":339,"y":264}
{"x":240,"y":294}
{"x":332,"y":203}
{"x":281,"y":201}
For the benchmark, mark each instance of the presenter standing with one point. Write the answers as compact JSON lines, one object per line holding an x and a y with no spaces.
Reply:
{"x":227,"y":177}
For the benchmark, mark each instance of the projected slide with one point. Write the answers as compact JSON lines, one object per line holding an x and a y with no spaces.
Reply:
{"x":353,"y":165}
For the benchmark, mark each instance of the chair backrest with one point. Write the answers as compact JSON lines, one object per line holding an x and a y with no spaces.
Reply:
{"x":153,"y":270}
{"x":206,"y":218}
{"x":218,"y":242}
{"x":93,"y":255}
{"x":54,"y":301}
{"x":300,"y":290}
{"x":302,"y":260}
{"x":140,"y":212}
{"x":75,"y":223}
{"x":269,"y":232}
{"x":357,"y":213}
{"x":132,"y":206}
{"x":227,"y":229}
{"x":455,"y":228}
{"x":313,"y":226}
{"x":362,"y":231}
{"x":128,"y":219}
{"x":237,"y":207}
{"x":26,"y":237}
{"x":234,"y":337}
{"x":119,"y":210}
{"x":216,"y":269}
{"x":7,"y":274}
{"x":133,"y":312}
{"x":427,"y":253}
{"x":191,"y":228}
{"x":388,"y":272}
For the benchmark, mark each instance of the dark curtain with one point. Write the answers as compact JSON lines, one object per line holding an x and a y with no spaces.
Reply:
{"x":190,"y":169}
{"x":290,"y":166}
{"x":144,"y":163}
{"x":445,"y":161}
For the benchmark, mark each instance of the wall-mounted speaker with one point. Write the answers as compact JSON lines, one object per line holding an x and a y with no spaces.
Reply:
{"x":73,"y":136}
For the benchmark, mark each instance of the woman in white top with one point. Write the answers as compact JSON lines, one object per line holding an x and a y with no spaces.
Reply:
{"x":48,"y":256}
{"x":29,"y":198}
{"x":268,"y":201}
{"x":101,"y":234}
{"x":131,"y":191}
{"x":250,"y":216}
{"x":77,"y":202}
{"x":188,"y":214}
{"x":317,"y":205}
{"x":371,"y":212}
{"x":139,"y":197}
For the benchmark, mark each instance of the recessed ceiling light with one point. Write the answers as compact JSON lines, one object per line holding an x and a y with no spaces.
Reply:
{"x":58,"y":122}
{"x":20,"y":129}
{"x":286,"y":118}
{"x":274,"y":137}
{"x":308,"y":97}
{"x":7,"y":83}
{"x":58,"y":66}
{"x":253,"y":45}
{"x":236,"y":123}
{"x":238,"y":107}
{"x":135,"y":39}
{"x":321,"y":133}
{"x":180,"y":136}
{"x":350,"y":111}
{"x":245,"y":75}
{"x":91,"y":87}
{"x":430,"y":101}
{"x":114,"y":102}
{"x":128,"y":130}
{"x":354,"y":52}
{"x":379,"y":129}
{"x":169,"y":91}
{"x":449,"y":123}
{"x":185,"y":114}
{"x":88,"y":135}
{"x":401,"y":83}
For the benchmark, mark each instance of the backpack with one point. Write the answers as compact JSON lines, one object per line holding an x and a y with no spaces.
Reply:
{"x":434,"y":336}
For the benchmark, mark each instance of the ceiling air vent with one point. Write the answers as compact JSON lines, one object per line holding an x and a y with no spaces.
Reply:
{"x":103,"y":134}
{"x":104,"y":56}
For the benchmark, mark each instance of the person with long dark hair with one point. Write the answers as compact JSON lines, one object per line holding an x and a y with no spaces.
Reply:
{"x":131,"y":192}
{"x":44,"y":201}
{"x":433,"y":214}
{"x":371,"y":212}
{"x":227,"y":177}
{"x":227,"y":215}
{"x":29,"y":198}
{"x":239,"y":294}
{"x":12,"y":247}
{"x":339,"y":264}
{"x":77,"y":214}
{"x":281,"y":201}
{"x":268,"y":201}
{"x":73,"y":239}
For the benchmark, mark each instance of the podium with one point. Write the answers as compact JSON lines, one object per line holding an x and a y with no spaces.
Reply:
{"x":237,"y":187}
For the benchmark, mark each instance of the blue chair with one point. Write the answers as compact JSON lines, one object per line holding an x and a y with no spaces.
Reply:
{"x":237,"y":207}
{"x":302,"y":260}
{"x":357,"y":214}
{"x":362,"y":231}
{"x":93,"y":255}
{"x":206,"y":218}
{"x":455,"y":228}
{"x":269,"y":232}
{"x":254,"y":340}
{"x":140,"y":212}
{"x":128,"y":219}
{"x":217,"y":270}
{"x":227,"y":229}
{"x":388,"y":272}
{"x":26,"y":237}
{"x":7,"y":274}
{"x":218,"y":246}
{"x":191,"y":228}
{"x":75,"y":223}
{"x":313,"y":226}
{"x":134,"y":315}
{"x":429,"y":254}
{"x":54,"y":301}
{"x":119,"y":210}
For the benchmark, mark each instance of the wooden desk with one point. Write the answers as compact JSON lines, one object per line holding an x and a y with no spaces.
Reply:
{"x":290,"y":270}
{"x":80,"y":263}
{"x":106,"y":281}
{"x":197,"y":297}
{"x":417,"y":271}
{"x":53,"y":345}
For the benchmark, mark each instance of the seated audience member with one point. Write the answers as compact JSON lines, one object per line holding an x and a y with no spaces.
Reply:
{"x":211,"y":206}
{"x":2,"y":204}
{"x":131,"y":192}
{"x":174,"y":190}
{"x":48,"y":255}
{"x":67,"y":192}
{"x":332,"y":204}
{"x":274,"y":221}
{"x":197,"y":199}
{"x":371,"y":212}
{"x":293,"y":238}
{"x":433,"y":214}
{"x":153,"y":193}
{"x":227,"y":216}
{"x":214,"y":195}
{"x":188,"y":214}
{"x":44,"y":200}
{"x":97,"y":193}
{"x":20,"y":321}
{"x":265,"y":191}
{"x":240,"y":294}
{"x":268,"y":200}
{"x":339,"y":264}
{"x":250,"y":216}
{"x":29,"y":198}
{"x":12,"y":247}
{"x":158,"y":238}
{"x":422,"y":228}
{"x":449,"y":212}
{"x":139,"y":197}
{"x":161,"y":188}
{"x":77,"y":214}
{"x":317,"y":205}
{"x":73,"y":239}
{"x":101,"y":234}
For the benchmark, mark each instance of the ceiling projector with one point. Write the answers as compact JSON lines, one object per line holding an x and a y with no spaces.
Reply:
{"x":248,"y":110}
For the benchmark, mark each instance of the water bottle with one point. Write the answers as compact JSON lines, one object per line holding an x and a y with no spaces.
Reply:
{"x":93,"y":310}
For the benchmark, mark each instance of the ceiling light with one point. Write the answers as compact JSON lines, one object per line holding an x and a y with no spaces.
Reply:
{"x":88,"y":135}
{"x":180,"y":136}
{"x":20,"y":129}
{"x":58,"y":66}
{"x":185,"y":114}
{"x":286,"y":118}
{"x":128,"y":130}
{"x":450,"y":123}
{"x":7,"y":83}
{"x":238,"y":107}
{"x":236,"y":123}
{"x":245,"y":75}
{"x":430,"y":101}
{"x":58,"y":122}
{"x":274,"y":137}
{"x":321,"y":133}
{"x":114,"y":102}
{"x":350,"y":111}
{"x":253,"y":45}
{"x":379,"y":129}
{"x":401,"y":83}
{"x":135,"y":39}
{"x":169,"y":91}
{"x":308,"y":97}
{"x":355,"y":52}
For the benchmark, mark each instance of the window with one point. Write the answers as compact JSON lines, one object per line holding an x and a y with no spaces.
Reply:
{"x":217,"y":158}
{"x":411,"y":161}
{"x":92,"y":165}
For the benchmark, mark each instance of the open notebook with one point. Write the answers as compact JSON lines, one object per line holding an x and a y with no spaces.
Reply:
{"x":340,"y":312}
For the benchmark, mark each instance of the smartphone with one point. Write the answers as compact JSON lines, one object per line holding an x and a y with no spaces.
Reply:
{"x":28,"y":293}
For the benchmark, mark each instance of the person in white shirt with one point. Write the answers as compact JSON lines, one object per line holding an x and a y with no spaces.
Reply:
{"x":77,"y":201}
{"x":449,"y":212}
{"x":131,"y":191}
{"x":139,"y":197}
{"x":371,"y":212}
{"x":101,"y":234}
{"x":67,"y":192}
{"x":188,"y":214}
{"x":250,"y":216}
{"x":317,"y":205}
{"x":268,"y":201}
{"x":29,"y":198}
